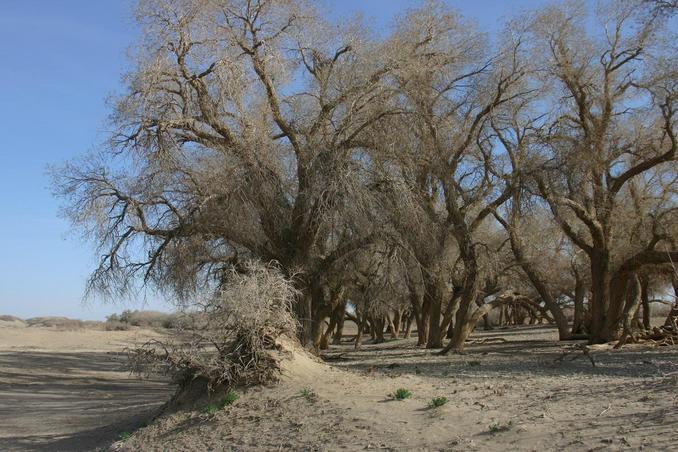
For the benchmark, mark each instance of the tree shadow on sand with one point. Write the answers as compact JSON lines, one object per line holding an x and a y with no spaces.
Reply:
{"x":72,"y":401}
{"x":500,"y":353}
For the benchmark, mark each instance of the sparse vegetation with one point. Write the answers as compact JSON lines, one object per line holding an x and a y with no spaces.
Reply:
{"x":402,"y":394}
{"x":496,"y":427}
{"x":309,"y":394}
{"x":116,"y":325}
{"x":437,"y":402}
{"x":228,"y":399}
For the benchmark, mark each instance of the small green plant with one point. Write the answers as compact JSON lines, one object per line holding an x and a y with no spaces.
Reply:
{"x":402,"y":394}
{"x":497,"y":427}
{"x":124,"y":436}
{"x":228,"y":399}
{"x":437,"y":402}
{"x":309,"y":394}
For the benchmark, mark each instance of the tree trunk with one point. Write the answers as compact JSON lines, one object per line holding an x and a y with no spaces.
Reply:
{"x":672,"y":318}
{"x":520,"y":314}
{"x":396,"y":323}
{"x":579,"y":293}
{"x":462,"y":325}
{"x":325,"y":339}
{"x":334,"y":317}
{"x":310,"y":309}
{"x":303,"y":314}
{"x":373,"y":328}
{"x":511,"y":315}
{"x":378,"y":324}
{"x":632,"y":297}
{"x":600,"y":297}
{"x":459,"y":335}
{"x":359,"y":335}
{"x":645,"y":299}
{"x":340,"y":316}
{"x":462,"y":333}
{"x":450,"y":312}
{"x":408,"y":327}
{"x":450,"y":331}
{"x":422,"y":323}
{"x":317,"y":326}
{"x":532,"y":274}
{"x":320,"y":309}
{"x":619,"y":288}
{"x":547,"y":297}
{"x":435,"y":299}
{"x":417,"y":314}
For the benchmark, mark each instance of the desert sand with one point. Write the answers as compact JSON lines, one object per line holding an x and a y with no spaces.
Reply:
{"x":69,"y":390}
{"x":508,"y":392}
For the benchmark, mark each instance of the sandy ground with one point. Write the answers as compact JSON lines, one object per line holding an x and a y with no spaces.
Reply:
{"x":510,"y":395}
{"x":69,"y":390}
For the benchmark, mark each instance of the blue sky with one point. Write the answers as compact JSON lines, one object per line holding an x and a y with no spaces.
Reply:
{"x":59,"y":60}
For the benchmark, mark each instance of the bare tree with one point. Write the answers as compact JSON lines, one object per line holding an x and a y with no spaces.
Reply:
{"x":613,"y":123}
{"x":238,"y":136}
{"x":514,"y":129}
{"x":443,"y":171}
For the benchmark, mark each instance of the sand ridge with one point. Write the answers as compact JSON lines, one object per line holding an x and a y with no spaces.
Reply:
{"x":502,"y":395}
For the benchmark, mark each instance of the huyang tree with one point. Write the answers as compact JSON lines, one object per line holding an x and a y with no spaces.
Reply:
{"x":238,"y":137}
{"x":611,"y":130}
{"x":441,"y":176}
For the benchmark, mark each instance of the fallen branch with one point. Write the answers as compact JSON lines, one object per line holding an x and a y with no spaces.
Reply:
{"x":605,"y":410}
{"x":658,"y":336}
{"x":488,"y":340}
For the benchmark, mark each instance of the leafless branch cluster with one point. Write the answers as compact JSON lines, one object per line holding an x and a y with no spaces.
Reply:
{"x":234,"y":337}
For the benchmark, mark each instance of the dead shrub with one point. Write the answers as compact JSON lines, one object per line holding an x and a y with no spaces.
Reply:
{"x":233,"y":337}
{"x":116,"y":325}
